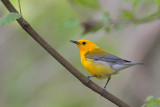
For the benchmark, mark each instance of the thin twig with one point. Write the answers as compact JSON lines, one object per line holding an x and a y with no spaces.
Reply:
{"x":20,"y":10}
{"x":26,"y":26}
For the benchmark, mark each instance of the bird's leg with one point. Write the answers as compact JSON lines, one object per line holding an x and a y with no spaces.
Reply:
{"x":89,"y":77}
{"x":109,"y":77}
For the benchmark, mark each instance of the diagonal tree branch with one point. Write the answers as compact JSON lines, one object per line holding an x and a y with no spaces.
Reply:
{"x":26,"y":26}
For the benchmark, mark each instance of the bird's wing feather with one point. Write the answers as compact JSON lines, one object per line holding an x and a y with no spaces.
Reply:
{"x":109,"y":58}
{"x":114,"y":62}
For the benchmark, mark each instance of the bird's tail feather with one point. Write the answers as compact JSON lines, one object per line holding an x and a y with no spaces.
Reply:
{"x":132,"y":63}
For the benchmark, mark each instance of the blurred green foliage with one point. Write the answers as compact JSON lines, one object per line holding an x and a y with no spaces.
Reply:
{"x":88,"y":3}
{"x":126,"y":17}
{"x":70,"y":23}
{"x":151,"y":102}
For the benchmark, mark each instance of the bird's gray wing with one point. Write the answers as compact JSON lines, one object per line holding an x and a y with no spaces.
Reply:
{"x":109,"y":58}
{"x":114,"y":62}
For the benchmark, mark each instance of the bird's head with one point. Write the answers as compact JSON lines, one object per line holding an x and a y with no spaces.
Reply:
{"x":84,"y":45}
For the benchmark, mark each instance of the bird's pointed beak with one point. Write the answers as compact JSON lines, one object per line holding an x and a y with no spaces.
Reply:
{"x":76,"y":42}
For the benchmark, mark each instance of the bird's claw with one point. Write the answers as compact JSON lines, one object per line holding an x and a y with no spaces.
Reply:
{"x":88,"y":77}
{"x":104,"y":89}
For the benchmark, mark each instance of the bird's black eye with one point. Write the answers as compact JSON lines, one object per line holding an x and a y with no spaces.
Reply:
{"x":83,"y":43}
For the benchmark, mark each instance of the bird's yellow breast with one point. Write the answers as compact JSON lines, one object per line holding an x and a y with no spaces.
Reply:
{"x":96,"y":69}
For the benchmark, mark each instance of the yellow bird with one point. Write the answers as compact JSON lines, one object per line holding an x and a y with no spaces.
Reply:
{"x":99,"y":63}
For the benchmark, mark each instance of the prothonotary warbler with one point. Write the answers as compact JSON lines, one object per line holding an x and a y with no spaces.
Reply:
{"x":99,"y":63}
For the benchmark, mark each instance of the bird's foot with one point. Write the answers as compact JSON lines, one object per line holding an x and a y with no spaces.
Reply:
{"x":104,"y":88}
{"x":88,"y":77}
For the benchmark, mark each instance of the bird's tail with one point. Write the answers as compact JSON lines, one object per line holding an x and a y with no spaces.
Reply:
{"x":139,"y":63}
{"x":133,"y":63}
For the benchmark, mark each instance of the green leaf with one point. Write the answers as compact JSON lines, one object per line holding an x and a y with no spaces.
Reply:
{"x":9,"y":18}
{"x":119,"y":26}
{"x":149,"y":17}
{"x":127,"y":15}
{"x":135,"y":4}
{"x":134,"y":1}
{"x":158,"y":3}
{"x":151,"y":102}
{"x":106,"y":16}
{"x":70,"y":23}
{"x":108,"y":29}
{"x":88,"y":3}
{"x":149,"y":98}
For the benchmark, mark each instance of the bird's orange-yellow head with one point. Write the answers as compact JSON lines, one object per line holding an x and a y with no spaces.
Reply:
{"x":85,"y":45}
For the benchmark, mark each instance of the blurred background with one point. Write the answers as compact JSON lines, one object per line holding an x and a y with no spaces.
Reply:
{"x":30,"y":77}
